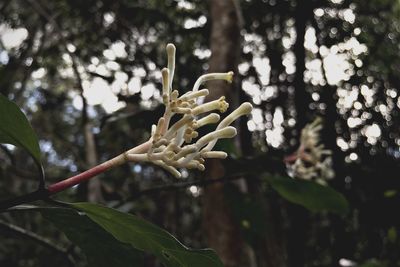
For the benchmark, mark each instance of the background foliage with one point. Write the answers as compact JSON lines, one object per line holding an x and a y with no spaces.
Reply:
{"x":337,"y":59}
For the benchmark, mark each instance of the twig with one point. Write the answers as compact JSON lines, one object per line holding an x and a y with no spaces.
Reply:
{"x":90,"y":146}
{"x":60,"y":205}
{"x":42,"y":175}
{"x":182,"y":185}
{"x":38,"y":239}
{"x":36,"y":195}
{"x":36,"y":5}
{"x":4,"y":6}
{"x":18,"y":172}
{"x":240,"y":171}
{"x":9,"y":154}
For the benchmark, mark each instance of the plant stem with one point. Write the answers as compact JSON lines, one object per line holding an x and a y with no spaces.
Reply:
{"x":87,"y":175}
{"x":43,"y":193}
{"x":7,"y":227}
{"x":79,"y":178}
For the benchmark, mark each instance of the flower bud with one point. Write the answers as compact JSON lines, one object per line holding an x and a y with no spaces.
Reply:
{"x":243,"y":109}
{"x":219,"y":104}
{"x":171,"y":62}
{"x":174,"y":95}
{"x":157,"y":133}
{"x":214,"y":154}
{"x":190,"y":134}
{"x":186,"y":151}
{"x":209,"y":119}
{"x":165,"y":83}
{"x":179,"y":124}
{"x":180,"y":110}
{"x":168,"y":168}
{"x":227,"y":132}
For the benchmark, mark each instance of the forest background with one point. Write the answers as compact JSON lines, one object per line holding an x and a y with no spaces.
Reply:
{"x":87,"y":76}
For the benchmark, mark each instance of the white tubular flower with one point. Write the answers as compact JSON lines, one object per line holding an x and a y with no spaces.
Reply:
{"x":227,"y":76}
{"x":171,"y":147}
{"x":311,"y":161}
{"x":219,"y":104}
{"x":186,"y":120}
{"x":243,"y":109}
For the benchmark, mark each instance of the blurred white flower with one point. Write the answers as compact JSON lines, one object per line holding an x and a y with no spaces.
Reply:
{"x":171,"y":146}
{"x":311,"y":161}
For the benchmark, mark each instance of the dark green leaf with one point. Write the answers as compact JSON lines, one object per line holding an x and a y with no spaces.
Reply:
{"x":148,"y":237}
{"x":390,"y":193}
{"x":16,"y":130}
{"x":311,"y":195}
{"x":100,"y":247}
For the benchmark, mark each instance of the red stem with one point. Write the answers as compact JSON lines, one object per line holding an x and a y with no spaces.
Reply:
{"x":77,"y":179}
{"x":86,"y":175}
{"x":42,"y":193}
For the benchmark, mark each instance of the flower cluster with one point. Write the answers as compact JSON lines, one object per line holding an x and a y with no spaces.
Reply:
{"x":171,"y":146}
{"x":311,"y":161}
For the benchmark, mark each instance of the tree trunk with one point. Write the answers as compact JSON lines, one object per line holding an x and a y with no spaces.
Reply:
{"x":90,"y":190}
{"x":223,"y":234}
{"x":303,"y":13}
{"x":297,"y":234}
{"x":94,"y":193}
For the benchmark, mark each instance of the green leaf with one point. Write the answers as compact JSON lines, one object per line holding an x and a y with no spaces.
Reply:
{"x":100,"y":247}
{"x":148,"y":237}
{"x":390,"y":193}
{"x":310,"y":195}
{"x":16,"y":130}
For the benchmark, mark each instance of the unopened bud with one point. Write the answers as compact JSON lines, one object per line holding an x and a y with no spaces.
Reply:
{"x":209,"y":119}
{"x":227,"y":132}
{"x":165,"y":84}
{"x":157,"y":133}
{"x":171,"y":62}
{"x":214,"y":154}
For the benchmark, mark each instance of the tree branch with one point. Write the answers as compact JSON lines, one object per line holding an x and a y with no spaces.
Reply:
{"x":181,"y":185}
{"x":5,"y":226}
{"x":36,"y":195}
{"x":4,"y":6}
{"x":94,"y":192}
{"x":39,"y":9}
